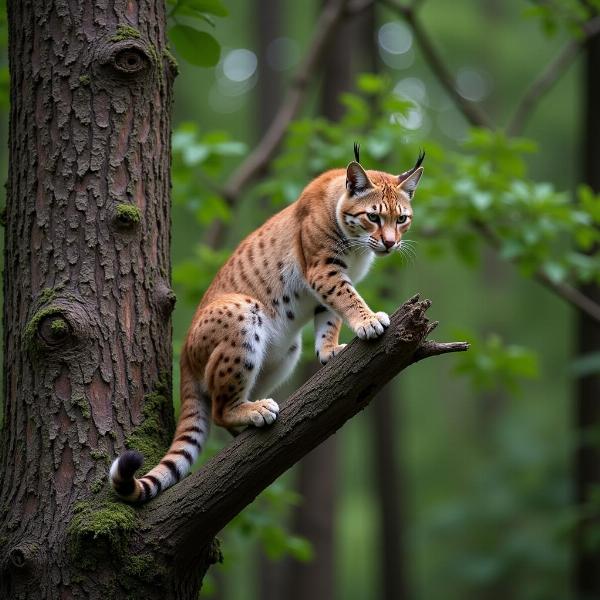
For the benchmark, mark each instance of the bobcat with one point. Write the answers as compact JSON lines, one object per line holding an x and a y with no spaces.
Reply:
{"x":244,"y":339}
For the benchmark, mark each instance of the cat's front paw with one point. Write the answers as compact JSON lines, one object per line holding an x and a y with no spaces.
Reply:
{"x":325,"y":356}
{"x":373,"y":326}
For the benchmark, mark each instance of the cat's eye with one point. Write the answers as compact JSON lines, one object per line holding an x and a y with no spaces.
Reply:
{"x":373,"y":217}
{"x":401,"y":219}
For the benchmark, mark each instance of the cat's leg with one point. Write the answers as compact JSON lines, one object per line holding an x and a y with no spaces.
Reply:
{"x":330,"y":283}
{"x":239,"y":327}
{"x":327,"y":331}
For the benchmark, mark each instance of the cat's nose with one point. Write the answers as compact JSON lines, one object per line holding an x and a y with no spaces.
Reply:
{"x":388,"y":243}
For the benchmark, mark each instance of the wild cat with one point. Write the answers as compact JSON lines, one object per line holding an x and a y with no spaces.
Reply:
{"x":244,"y":339}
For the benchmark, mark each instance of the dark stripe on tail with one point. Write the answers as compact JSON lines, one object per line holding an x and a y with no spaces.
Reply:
{"x":172,"y":467}
{"x":188,"y":439}
{"x":184,"y":452}
{"x":156,"y":483}
{"x":146,"y":487}
{"x":195,"y":429}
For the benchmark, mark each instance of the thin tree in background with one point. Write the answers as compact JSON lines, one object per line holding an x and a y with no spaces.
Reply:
{"x":587,"y":411}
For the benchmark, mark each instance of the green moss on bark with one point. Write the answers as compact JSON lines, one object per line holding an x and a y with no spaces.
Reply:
{"x":126,"y":32}
{"x":99,"y":529}
{"x":128,"y":214}
{"x":31,"y":329}
{"x":98,"y":485}
{"x":171,"y":60}
{"x":99,"y":455}
{"x":142,"y":566}
{"x":59,"y":327}
{"x":151,"y":437}
{"x":83,"y":404}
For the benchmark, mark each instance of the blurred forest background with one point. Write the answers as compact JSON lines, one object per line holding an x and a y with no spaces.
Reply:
{"x":472,"y":476}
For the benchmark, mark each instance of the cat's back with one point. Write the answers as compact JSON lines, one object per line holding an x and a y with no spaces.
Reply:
{"x":269,"y":255}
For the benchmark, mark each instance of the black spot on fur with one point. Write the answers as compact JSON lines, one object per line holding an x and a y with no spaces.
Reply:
{"x":290,"y":315}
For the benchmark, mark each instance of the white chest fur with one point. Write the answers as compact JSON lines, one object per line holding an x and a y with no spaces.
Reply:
{"x":359,"y":262}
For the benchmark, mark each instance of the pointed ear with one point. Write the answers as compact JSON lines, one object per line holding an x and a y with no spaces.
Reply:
{"x":409,"y":185}
{"x":357,"y":179}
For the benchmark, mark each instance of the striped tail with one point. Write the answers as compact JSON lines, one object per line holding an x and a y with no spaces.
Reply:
{"x":191,"y":432}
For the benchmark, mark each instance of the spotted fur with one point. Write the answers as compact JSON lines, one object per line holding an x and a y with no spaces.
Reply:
{"x":244,"y":339}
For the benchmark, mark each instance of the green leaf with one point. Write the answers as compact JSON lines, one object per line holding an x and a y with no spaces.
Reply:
{"x":372,"y":84}
{"x":212,"y":7}
{"x":197,"y":47}
{"x":300,"y":548}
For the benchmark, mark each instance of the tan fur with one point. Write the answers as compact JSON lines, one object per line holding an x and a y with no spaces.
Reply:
{"x":244,"y":337}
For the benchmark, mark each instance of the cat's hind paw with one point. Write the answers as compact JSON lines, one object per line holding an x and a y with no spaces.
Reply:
{"x":325,"y":356}
{"x":262,"y":412}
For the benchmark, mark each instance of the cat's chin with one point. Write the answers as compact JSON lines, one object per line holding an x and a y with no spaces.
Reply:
{"x":381,"y":252}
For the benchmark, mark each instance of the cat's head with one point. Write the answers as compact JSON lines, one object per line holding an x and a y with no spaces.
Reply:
{"x":376,"y":209}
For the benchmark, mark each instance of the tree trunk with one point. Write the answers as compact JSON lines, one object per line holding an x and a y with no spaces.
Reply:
{"x":87,"y":332}
{"x":390,"y":490}
{"x":587,"y":468}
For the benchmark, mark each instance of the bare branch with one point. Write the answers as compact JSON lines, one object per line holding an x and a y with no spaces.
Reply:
{"x":472,"y":112}
{"x":187,"y":516}
{"x":428,"y":349}
{"x":549,"y":76}
{"x":258,"y":160}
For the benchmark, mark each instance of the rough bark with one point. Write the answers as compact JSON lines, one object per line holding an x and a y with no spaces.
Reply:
{"x":587,"y":409}
{"x":87,"y":333}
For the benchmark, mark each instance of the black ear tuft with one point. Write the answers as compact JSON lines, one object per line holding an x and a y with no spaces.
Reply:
{"x":419,"y":160}
{"x":357,"y":152}
{"x":404,"y":176}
